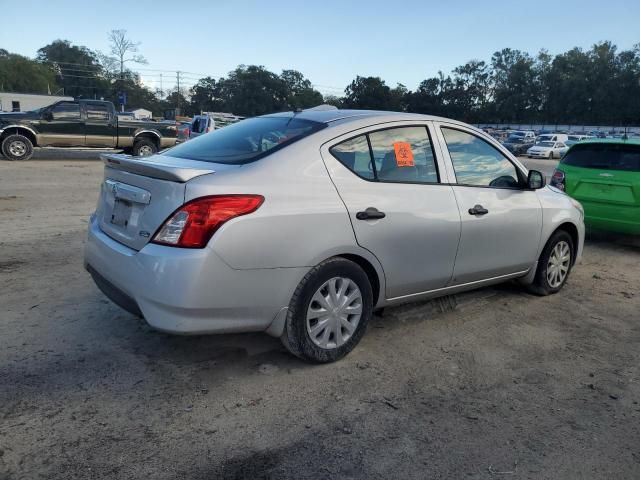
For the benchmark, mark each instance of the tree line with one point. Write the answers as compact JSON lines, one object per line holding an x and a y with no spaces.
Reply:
{"x":599,"y":85}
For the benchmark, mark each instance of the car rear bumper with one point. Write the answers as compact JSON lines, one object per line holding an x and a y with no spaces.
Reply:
{"x":614,"y":217}
{"x":187,"y":291}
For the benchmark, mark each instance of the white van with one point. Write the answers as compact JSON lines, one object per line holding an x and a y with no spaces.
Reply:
{"x":552,"y":137}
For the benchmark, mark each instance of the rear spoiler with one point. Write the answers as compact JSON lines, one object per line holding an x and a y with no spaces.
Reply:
{"x":176,"y":170}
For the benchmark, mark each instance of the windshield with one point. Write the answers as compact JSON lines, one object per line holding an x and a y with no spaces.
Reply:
{"x":574,"y":137}
{"x":545,"y":144}
{"x":245,"y":141}
{"x":606,"y":156}
{"x":515,"y":140}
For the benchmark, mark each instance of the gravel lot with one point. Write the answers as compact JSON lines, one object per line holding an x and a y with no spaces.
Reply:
{"x":492,"y":384}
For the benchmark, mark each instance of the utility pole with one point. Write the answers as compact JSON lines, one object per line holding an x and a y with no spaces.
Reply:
{"x":178,"y":82}
{"x":161,"y":92}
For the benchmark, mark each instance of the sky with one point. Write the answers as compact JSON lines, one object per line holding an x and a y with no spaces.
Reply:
{"x":329,"y":41}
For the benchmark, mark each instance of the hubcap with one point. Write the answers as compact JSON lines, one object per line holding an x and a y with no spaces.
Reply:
{"x":145,"y":151}
{"x":334,"y":313}
{"x":17,"y":148}
{"x":558,"y":266}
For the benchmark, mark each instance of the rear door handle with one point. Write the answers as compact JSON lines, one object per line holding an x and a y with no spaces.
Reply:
{"x":478,"y":210}
{"x":370,"y":213}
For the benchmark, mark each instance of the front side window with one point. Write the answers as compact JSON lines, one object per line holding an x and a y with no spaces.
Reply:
{"x":66,"y":111}
{"x":402,"y":154}
{"x":477,"y":163}
{"x":245,"y":141}
{"x":97,"y":111}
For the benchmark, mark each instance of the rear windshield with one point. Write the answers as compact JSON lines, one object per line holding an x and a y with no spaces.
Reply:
{"x":605,"y":156}
{"x":245,"y":141}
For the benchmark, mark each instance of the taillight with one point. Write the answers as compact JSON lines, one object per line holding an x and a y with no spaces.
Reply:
{"x":557,"y":180}
{"x":193,"y":224}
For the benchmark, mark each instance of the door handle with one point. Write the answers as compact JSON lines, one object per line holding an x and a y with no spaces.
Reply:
{"x":478,"y":210}
{"x":370,"y":213}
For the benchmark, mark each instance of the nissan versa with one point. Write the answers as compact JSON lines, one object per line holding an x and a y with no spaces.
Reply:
{"x":302,"y":224}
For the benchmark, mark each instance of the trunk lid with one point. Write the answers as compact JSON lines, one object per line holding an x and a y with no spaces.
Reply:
{"x":138,"y":194}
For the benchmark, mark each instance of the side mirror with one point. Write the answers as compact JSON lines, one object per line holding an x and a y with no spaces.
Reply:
{"x":535,"y":180}
{"x":48,"y":116}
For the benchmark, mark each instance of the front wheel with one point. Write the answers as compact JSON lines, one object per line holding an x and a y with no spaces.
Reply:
{"x":329,"y":311}
{"x":551,"y":156}
{"x":17,"y":147}
{"x":554,"y":264}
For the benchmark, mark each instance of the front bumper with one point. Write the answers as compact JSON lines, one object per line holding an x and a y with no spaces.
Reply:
{"x":187,"y":291}
{"x":538,"y":154}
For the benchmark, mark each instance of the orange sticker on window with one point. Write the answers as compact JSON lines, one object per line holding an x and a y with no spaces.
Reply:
{"x":404,"y":155}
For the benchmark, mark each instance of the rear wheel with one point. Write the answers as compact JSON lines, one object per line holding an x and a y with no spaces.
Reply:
{"x":143,"y":147}
{"x":17,"y":147}
{"x":329,"y":311}
{"x":554,"y":264}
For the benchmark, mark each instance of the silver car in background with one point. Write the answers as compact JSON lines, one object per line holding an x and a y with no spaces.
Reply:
{"x":302,"y":224}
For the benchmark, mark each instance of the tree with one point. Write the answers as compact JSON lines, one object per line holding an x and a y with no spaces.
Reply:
{"x":23,"y":75}
{"x":77,"y":69}
{"x":368,"y":93}
{"x":253,"y":90}
{"x":300,"y":91}
{"x":205,"y":96}
{"x":121,"y":47}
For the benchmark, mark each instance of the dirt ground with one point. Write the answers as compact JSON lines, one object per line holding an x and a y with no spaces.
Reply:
{"x":493,"y":384}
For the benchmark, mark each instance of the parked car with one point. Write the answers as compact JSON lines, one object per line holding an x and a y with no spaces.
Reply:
{"x":604,"y":175}
{"x":83,"y":123}
{"x":518,"y":145}
{"x":548,"y":150}
{"x":527,"y":134}
{"x":301,"y":224}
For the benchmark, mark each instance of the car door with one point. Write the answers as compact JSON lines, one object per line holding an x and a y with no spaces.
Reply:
{"x":62,"y":126}
{"x":100,"y":125}
{"x":501,"y":219}
{"x":401,"y":207}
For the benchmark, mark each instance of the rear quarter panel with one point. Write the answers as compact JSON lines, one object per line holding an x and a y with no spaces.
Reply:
{"x":301,"y":222}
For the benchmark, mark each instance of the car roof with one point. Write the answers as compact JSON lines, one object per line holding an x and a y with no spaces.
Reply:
{"x":345,"y":116}
{"x":630,"y":141}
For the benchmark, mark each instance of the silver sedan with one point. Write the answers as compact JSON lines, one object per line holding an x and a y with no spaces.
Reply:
{"x":301,"y":224}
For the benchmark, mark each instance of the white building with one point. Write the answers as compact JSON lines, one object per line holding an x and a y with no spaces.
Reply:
{"x":141,"y":114}
{"x":23,"y":102}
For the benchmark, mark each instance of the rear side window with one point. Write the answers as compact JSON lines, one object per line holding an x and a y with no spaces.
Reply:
{"x":401,"y":154}
{"x":604,"y":156}
{"x":246,"y":141}
{"x":97,"y":111}
{"x":355,"y":155}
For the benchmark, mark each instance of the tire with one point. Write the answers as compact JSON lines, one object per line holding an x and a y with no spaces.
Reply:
{"x":144,"y":147}
{"x":17,"y":147}
{"x":541,"y":284}
{"x":551,"y":156}
{"x":339,"y":340}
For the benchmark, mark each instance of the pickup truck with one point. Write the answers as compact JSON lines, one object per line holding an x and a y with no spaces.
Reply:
{"x":81,"y":123}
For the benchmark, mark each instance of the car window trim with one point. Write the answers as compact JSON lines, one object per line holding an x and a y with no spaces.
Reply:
{"x":521,"y":176}
{"x":373,"y":163}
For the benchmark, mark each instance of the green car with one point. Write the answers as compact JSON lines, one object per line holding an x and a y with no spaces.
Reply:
{"x":604,"y":175}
